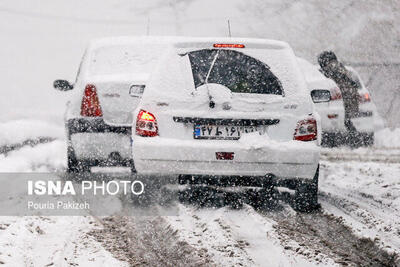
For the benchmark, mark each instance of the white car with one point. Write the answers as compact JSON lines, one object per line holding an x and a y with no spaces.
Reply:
{"x":229,"y":109}
{"x":332,"y":112}
{"x":368,"y":120}
{"x":111,"y":77}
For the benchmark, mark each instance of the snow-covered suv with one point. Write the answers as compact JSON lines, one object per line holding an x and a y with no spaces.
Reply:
{"x":229,"y":109}
{"x":111,"y":78}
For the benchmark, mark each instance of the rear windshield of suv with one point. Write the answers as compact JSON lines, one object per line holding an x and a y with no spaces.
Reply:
{"x":235,"y":70}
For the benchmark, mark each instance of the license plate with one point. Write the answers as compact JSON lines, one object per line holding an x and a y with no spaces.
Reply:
{"x":221,"y":131}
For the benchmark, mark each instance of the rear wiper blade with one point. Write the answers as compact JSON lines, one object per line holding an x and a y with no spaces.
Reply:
{"x":211,"y":103}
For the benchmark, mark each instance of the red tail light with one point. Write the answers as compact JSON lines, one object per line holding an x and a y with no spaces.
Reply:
{"x":90,"y":102}
{"x":306,"y":130}
{"x":146,"y":124}
{"x":336,"y":94}
{"x":364,"y":98}
{"x":332,"y":116}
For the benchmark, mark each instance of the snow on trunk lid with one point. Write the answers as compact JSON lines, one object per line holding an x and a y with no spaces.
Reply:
{"x":116,"y":102}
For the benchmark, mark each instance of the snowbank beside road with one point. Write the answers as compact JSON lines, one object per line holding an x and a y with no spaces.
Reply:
{"x":48,"y":157}
{"x":14,"y":132}
{"x":387,"y":138}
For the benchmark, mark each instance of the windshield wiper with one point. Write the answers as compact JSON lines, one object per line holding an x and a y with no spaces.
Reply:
{"x":211,"y":103}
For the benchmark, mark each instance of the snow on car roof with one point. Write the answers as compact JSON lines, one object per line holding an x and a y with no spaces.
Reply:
{"x":246,"y":42}
{"x":311,"y":72}
{"x":124,"y":40}
{"x":314,"y":78}
{"x":181,"y":41}
{"x":140,"y":54}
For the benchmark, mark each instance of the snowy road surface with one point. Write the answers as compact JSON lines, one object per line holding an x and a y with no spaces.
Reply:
{"x":358,"y":223}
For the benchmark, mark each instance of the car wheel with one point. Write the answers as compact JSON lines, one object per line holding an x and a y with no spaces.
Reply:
{"x":132,"y":166}
{"x":151,"y":193}
{"x":368,"y":139}
{"x":306,"y":196}
{"x":328,"y":140}
{"x":73,"y":164}
{"x":264,"y":199}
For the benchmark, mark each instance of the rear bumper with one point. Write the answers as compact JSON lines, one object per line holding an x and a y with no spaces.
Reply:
{"x":100,"y":146}
{"x":332,"y":119}
{"x":95,"y":141}
{"x":364,"y":122}
{"x":157,"y":155}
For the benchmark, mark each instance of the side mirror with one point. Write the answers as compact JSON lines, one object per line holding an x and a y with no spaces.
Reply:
{"x":62,"y":85}
{"x":136,"y":90}
{"x":319,"y":95}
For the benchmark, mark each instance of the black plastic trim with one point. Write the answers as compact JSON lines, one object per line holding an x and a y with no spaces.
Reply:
{"x":230,"y":122}
{"x":95,"y":125}
{"x":362,"y":114}
{"x":250,"y":181}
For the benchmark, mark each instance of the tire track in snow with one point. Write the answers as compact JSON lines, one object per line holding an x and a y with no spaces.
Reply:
{"x":52,"y":241}
{"x":147,"y":241}
{"x":321,"y":233}
{"x":363,"y":214}
{"x":210,"y":232}
{"x":308,"y":235}
{"x":235,"y":237}
{"x":364,"y":195}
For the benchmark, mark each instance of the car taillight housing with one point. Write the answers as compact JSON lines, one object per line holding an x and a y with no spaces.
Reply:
{"x":365,"y":98}
{"x":336,"y":94}
{"x":306,"y":130}
{"x":146,"y":124}
{"x":90,"y":102}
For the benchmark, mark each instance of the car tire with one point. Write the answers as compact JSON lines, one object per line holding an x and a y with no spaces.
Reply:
{"x":151,"y":194}
{"x":132,"y":166}
{"x":368,"y":139}
{"x":306,"y":196}
{"x":73,"y":164}
{"x":328,"y":140}
{"x":265,"y":199}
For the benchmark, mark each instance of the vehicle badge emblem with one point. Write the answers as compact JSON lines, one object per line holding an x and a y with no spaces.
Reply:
{"x":226,"y":106}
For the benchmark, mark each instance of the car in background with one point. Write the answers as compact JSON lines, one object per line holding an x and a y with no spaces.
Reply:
{"x":368,"y":119}
{"x":98,"y":119}
{"x":231,"y":110}
{"x":332,"y":113}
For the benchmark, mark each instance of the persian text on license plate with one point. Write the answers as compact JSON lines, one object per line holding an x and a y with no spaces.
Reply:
{"x":221,"y":131}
